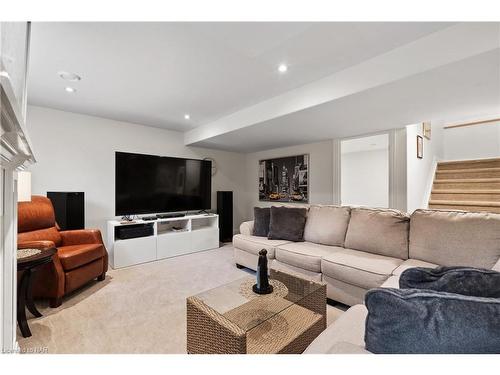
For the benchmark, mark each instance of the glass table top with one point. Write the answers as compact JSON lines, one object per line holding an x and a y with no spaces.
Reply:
{"x":238,"y":303}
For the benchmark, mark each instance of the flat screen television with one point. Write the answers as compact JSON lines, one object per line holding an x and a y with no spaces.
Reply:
{"x":146,"y":184}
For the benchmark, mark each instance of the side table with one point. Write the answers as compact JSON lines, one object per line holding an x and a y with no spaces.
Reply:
{"x":24,"y":290}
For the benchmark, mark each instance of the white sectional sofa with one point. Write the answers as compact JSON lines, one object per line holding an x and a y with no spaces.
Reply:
{"x":356,"y":249}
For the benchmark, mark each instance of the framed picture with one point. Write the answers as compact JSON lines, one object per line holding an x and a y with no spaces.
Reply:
{"x":284,"y":179}
{"x":420,"y":147}
{"x":426,"y":130}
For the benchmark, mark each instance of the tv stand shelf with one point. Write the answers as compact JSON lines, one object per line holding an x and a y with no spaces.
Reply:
{"x":171,"y":237}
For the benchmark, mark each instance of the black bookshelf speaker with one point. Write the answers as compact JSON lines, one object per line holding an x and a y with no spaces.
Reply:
{"x":69,"y":208}
{"x":225,"y":212}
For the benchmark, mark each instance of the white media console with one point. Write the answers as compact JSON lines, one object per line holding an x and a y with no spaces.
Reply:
{"x":197,"y":233}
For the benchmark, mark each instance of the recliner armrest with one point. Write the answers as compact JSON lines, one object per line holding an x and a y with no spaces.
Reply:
{"x":81,"y":236}
{"x":42,"y":245}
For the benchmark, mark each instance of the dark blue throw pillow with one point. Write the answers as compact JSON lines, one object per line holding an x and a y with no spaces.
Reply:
{"x":412,"y":321}
{"x":461,"y":280}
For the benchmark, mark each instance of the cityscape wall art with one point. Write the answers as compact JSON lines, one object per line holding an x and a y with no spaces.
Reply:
{"x":284,"y":179}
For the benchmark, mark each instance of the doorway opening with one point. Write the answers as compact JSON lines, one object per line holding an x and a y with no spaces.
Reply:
{"x":365,"y":171}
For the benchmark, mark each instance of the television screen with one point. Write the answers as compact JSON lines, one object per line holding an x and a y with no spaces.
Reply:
{"x":147,"y":184}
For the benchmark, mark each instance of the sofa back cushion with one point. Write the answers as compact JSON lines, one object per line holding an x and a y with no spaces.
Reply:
{"x":327,"y":225}
{"x":378,"y":231}
{"x":455,"y":238}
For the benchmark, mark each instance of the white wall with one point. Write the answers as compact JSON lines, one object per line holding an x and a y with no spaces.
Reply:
{"x":420,"y":172}
{"x":320,"y":173}
{"x":365,"y":178}
{"x":472,"y":142}
{"x":321,"y":178}
{"x":76,"y":153}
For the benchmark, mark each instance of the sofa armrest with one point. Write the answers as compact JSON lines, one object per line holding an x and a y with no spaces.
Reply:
{"x":42,"y":245}
{"x":247,"y":228}
{"x":81,"y":236}
{"x":348,"y":328}
{"x":496,"y":267}
{"x":348,"y":348}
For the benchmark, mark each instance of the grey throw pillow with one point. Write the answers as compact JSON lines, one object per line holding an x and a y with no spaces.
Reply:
{"x":410,"y":321}
{"x":461,"y":280}
{"x":287,"y":223}
{"x":262,"y":217}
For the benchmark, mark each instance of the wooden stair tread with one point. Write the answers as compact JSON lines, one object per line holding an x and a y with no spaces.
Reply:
{"x":464,"y":203}
{"x":468,"y":170}
{"x":452,"y":180}
{"x":473,"y":161}
{"x":458,"y":165}
{"x":495,"y":210}
{"x":465,"y":191}
{"x":467,"y":185}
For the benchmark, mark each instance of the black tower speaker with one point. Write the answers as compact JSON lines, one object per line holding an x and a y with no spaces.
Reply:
{"x":69,"y":208}
{"x":225,"y":212}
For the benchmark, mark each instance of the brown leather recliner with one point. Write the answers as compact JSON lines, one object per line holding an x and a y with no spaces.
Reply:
{"x":81,"y":255}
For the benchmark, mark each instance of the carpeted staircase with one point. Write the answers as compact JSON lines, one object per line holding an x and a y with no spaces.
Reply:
{"x":469,"y":185}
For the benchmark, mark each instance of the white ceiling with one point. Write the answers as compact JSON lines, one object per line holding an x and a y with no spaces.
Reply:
{"x":344,"y":79}
{"x":444,"y":94}
{"x":154,"y":73}
{"x":367,"y":143}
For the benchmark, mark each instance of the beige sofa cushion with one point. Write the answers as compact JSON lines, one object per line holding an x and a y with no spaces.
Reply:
{"x":412,"y":263}
{"x":306,"y":255}
{"x":342,"y":292}
{"x":378,"y":231}
{"x":327,"y":225}
{"x":348,"y":328}
{"x":455,"y":238}
{"x":359,"y":268}
{"x":297,"y":271}
{"x":254,"y":244}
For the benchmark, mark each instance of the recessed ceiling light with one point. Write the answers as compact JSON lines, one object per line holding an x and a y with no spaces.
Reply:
{"x":186,"y":116}
{"x":282,"y":68}
{"x":70,"y":89}
{"x":69,"y":76}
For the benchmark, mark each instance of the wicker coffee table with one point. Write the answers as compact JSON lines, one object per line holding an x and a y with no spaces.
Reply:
{"x":231,"y":319}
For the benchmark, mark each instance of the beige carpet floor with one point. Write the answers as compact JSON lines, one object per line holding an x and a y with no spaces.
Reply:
{"x":140,"y":309}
